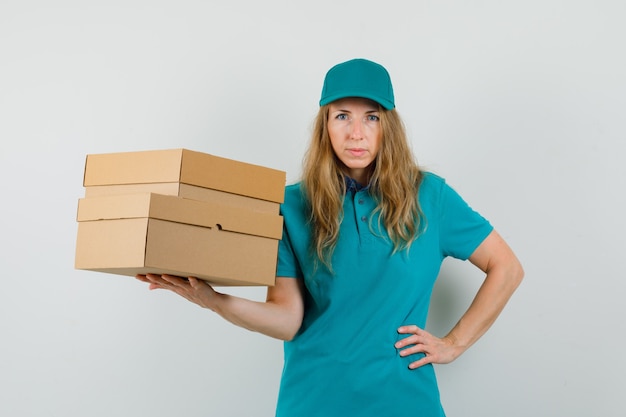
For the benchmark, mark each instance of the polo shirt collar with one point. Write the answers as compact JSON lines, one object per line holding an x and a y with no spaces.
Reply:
{"x":353,"y":185}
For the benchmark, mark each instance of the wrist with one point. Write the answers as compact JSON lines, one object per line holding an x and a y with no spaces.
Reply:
{"x":457,"y":345}
{"x":218,"y":302}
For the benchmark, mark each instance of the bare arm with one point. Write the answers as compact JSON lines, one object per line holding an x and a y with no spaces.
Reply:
{"x":503,"y":275}
{"x":280,"y":316}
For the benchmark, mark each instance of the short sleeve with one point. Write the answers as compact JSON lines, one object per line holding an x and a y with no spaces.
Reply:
{"x":462,"y":229}
{"x":287,"y":264}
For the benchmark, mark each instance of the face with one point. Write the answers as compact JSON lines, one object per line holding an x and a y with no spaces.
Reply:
{"x":355,"y":134}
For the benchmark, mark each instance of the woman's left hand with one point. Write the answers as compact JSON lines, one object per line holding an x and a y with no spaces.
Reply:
{"x":436,"y":350}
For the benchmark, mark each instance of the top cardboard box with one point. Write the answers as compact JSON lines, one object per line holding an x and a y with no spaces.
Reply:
{"x":187,"y":167}
{"x":187,"y":191}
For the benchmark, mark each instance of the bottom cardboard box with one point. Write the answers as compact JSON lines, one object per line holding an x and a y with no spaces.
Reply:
{"x":148,"y":245}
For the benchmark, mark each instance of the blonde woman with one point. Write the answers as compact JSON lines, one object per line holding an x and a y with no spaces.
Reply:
{"x":366,"y":231}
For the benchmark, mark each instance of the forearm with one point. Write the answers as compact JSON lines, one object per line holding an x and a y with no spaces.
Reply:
{"x":279,"y":316}
{"x":503,"y":275}
{"x":495,"y":292}
{"x":269,"y":318}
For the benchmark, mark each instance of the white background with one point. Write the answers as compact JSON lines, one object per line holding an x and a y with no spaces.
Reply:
{"x":520,"y":105}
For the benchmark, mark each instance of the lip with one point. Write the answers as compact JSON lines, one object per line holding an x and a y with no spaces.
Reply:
{"x":357,"y":151}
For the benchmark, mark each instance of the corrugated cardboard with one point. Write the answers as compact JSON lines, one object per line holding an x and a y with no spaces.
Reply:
{"x":152,"y":233}
{"x":187,"y":167}
{"x":186,"y":191}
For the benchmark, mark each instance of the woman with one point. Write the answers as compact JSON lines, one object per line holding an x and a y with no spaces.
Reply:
{"x":365,"y":234}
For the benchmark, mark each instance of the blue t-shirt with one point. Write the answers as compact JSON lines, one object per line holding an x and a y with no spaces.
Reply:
{"x":342,"y":361}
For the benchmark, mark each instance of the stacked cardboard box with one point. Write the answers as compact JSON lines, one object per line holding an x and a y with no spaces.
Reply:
{"x":180,"y":212}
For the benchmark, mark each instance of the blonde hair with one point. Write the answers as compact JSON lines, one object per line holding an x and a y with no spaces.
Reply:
{"x":394,"y":182}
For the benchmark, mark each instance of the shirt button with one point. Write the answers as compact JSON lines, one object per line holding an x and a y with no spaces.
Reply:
{"x":360,"y":201}
{"x":363,"y":218}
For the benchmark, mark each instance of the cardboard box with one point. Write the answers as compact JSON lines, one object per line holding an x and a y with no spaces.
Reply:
{"x":186,"y":191}
{"x":142,"y":233}
{"x":186,"y":167}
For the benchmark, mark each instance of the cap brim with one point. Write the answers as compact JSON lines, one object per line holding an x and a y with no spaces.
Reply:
{"x":345,"y":94}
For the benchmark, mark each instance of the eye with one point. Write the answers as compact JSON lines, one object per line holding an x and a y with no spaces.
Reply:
{"x":341,"y":116}
{"x":372,"y":118}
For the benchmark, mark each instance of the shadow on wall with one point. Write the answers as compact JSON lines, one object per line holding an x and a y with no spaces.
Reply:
{"x":454,"y":291}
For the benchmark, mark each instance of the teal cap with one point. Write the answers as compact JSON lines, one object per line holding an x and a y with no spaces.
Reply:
{"x":358,"y":78}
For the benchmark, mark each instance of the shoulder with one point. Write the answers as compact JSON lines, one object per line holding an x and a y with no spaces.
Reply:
{"x":294,"y":198}
{"x":295,"y":187}
{"x":294,"y":192}
{"x":435,"y":193}
{"x":432,"y":179}
{"x":431,"y":184}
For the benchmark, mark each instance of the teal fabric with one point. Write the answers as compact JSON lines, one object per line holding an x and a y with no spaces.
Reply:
{"x":358,"y":78}
{"x":343,"y":361}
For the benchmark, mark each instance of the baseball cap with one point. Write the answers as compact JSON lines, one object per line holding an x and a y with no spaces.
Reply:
{"x":358,"y":78}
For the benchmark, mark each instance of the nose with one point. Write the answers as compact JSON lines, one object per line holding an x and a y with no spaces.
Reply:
{"x":357,"y":129}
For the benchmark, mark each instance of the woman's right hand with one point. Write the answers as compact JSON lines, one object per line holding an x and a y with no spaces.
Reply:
{"x":279,"y":316}
{"x":193,"y":289}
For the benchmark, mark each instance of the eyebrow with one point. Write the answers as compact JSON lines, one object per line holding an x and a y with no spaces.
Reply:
{"x":348,"y":111}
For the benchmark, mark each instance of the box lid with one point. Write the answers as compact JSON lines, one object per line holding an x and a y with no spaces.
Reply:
{"x":188,"y":167}
{"x":181,"y":210}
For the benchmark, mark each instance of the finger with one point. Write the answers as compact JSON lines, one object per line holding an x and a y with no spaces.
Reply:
{"x":196,"y":283}
{"x":159,"y":282}
{"x":173,"y":282}
{"x":410,"y":340}
{"x":158,"y":279}
{"x":409,"y":329}
{"x":169,"y":278}
{"x":414,"y":349}
{"x":413,"y":342}
{"x":153,"y":277}
{"x":417,"y":335}
{"x":425,"y":360}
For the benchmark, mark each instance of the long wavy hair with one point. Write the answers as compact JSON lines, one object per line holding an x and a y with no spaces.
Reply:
{"x":394,"y":176}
